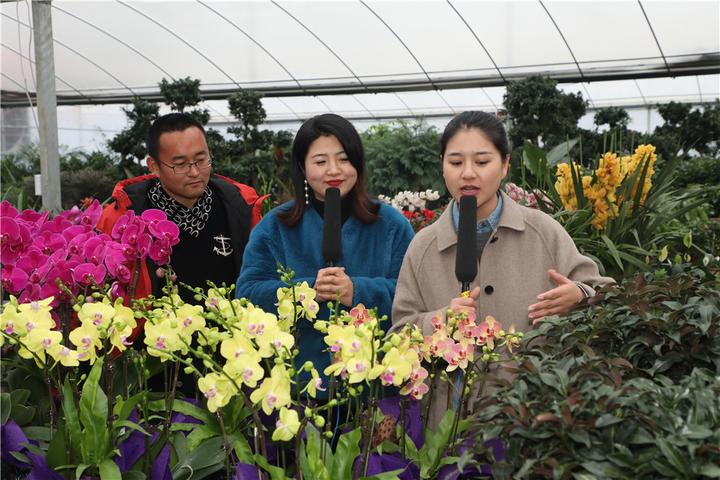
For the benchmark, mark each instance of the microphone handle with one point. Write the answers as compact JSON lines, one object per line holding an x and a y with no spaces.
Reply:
{"x":465,"y":289}
{"x":330,"y":263}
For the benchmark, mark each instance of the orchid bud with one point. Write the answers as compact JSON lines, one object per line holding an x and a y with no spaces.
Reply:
{"x":333,"y":402}
{"x":328,"y":434}
{"x":319,"y":421}
{"x":189,"y":370}
{"x":308,"y":411}
{"x":307,"y":366}
{"x":160,"y":272}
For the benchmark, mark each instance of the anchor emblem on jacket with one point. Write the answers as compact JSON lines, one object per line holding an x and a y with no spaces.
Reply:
{"x":225,"y":247}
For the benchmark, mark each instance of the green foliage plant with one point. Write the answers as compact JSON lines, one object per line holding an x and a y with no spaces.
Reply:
{"x":402,"y":156}
{"x":625,"y":389}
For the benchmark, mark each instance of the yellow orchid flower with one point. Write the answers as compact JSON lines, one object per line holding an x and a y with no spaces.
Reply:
{"x":35,"y":314}
{"x":239,"y":349}
{"x":10,"y":321}
{"x":211,"y":337}
{"x":37,"y":342}
{"x":61,"y":353}
{"x":274,"y":392}
{"x":395,"y":368}
{"x":161,"y":339}
{"x":190,"y":320}
{"x":217,"y":389}
{"x":87,"y":339}
{"x":246,"y":372}
{"x":314,"y":384}
{"x":98,"y":314}
{"x":286,"y":426}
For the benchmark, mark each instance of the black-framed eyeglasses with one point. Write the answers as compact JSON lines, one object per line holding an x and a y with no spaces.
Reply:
{"x":201,"y":164}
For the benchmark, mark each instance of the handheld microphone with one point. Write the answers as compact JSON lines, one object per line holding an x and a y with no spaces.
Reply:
{"x":332,"y":223}
{"x":466,"y":255}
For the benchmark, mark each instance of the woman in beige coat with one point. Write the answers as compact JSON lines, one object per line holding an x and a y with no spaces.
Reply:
{"x":528,"y":265}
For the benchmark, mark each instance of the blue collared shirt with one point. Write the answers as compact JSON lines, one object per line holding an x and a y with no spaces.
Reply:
{"x":483,"y":226}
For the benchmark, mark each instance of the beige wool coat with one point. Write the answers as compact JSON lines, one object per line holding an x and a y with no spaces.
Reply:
{"x":512,"y":270}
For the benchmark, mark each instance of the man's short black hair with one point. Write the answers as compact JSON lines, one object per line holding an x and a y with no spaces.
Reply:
{"x":172,"y":122}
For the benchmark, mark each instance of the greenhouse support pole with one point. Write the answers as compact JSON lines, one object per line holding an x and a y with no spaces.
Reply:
{"x":46,"y":104}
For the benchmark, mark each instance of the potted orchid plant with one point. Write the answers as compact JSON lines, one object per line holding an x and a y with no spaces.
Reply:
{"x":255,"y":412}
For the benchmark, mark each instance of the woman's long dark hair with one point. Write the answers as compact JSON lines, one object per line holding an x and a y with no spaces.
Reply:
{"x":362,"y":206}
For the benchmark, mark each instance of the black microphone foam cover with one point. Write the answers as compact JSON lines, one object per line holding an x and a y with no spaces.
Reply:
{"x":332,"y":247}
{"x":466,"y":255}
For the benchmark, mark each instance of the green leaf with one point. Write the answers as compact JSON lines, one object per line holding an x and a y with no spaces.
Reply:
{"x":561,"y":152}
{"x":187,"y":408}
{"x":109,"y":470}
{"x":607,"y":419}
{"x":93,"y":416}
{"x":72,"y":422}
{"x":80,"y":469}
{"x":672,"y":455}
{"x":209,"y":454}
{"x":133,"y":475}
{"x":123,"y":408}
{"x":580,"y":436}
{"x":318,"y":467}
{"x":347,"y":451}
{"x":5,"y":407}
{"x":56,"y":453}
{"x":392,"y":475}
{"x":38,"y":433}
{"x":131,"y":425}
{"x":603,"y":469}
{"x":710,"y":470}
{"x":241,"y":447}
{"x":19,"y":396}
{"x":436,"y":443}
{"x":276,"y":473}
{"x":687,"y":239}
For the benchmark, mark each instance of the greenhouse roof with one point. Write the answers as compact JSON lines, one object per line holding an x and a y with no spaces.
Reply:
{"x":370,"y":58}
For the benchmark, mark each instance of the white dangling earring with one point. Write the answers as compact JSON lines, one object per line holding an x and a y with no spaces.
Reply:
{"x":307,"y":195}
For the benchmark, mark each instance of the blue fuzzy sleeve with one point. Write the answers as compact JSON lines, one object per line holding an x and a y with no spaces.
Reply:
{"x":259,"y":278}
{"x":378,"y":291}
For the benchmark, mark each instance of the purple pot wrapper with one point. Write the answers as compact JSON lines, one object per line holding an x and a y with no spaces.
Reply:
{"x":244,"y":471}
{"x":413,"y":420}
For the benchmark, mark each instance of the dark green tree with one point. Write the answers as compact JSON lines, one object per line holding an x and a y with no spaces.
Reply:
{"x":541,"y":113}
{"x":685,"y":129}
{"x":403,"y":156}
{"x":246,"y":106}
{"x":613,"y":117}
{"x":183,"y":93}
{"x":130,"y":143}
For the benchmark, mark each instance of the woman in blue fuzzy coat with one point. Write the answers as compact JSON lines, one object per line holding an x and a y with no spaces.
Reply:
{"x":327,"y":152}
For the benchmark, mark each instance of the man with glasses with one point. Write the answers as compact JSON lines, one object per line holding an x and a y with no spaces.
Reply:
{"x":214,"y":214}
